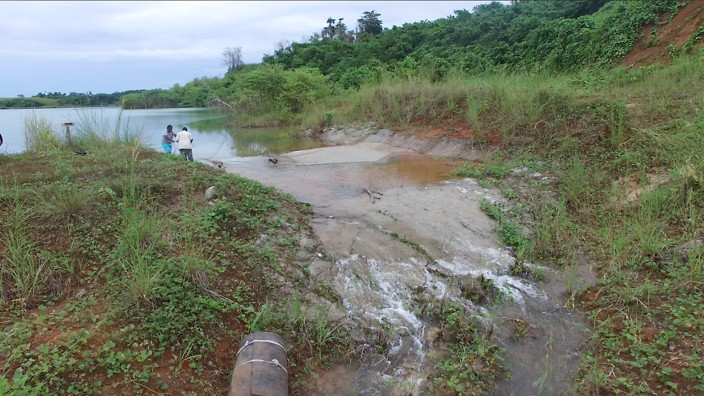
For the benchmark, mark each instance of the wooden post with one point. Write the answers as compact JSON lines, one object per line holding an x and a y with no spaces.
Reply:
{"x":68,"y":130}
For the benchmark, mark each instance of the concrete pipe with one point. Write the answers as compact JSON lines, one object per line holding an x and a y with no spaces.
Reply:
{"x":261,"y":368}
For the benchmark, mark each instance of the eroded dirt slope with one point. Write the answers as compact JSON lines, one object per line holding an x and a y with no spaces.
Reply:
{"x":651,"y":49}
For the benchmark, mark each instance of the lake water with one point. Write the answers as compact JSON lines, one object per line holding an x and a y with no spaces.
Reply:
{"x":214,"y":134}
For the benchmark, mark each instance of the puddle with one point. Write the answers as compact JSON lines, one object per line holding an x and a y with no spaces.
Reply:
{"x":324,"y":184}
{"x":364,"y":194}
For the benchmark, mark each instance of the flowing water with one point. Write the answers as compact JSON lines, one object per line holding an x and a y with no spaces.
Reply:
{"x":364,"y":196}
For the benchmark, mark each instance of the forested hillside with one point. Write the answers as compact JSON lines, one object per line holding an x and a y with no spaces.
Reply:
{"x":524,"y":36}
{"x":59,"y":99}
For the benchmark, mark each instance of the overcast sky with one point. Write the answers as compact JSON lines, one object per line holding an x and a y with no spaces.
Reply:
{"x":114,"y":46}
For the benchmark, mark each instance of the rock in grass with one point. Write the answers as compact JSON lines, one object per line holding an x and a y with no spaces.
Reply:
{"x":693,"y":248}
{"x":211,"y":193}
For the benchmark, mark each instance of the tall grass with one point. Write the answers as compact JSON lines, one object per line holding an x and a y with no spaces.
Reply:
{"x":604,"y":136}
{"x":489,"y":103}
{"x":95,"y":129}
{"x":23,"y":272}
{"x":143,"y":274}
{"x":63,"y":204}
{"x":136,"y":255}
{"x":601,"y":132}
{"x":39,"y":137}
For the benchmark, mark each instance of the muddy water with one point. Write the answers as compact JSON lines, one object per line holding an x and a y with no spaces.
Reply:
{"x":365,"y":194}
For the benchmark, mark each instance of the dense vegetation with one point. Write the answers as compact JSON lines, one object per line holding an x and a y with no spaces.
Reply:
{"x":525,"y":36}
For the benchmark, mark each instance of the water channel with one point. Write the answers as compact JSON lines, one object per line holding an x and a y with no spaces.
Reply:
{"x":362,"y":193}
{"x":377,"y":275}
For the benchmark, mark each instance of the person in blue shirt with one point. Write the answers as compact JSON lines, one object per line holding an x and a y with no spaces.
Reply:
{"x":167,"y":139}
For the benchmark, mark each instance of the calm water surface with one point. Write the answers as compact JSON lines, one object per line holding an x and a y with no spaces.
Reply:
{"x":213,"y":134}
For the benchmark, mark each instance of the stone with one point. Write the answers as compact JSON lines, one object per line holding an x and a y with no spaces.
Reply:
{"x":211,"y":193}
{"x":263,"y":239}
{"x":691,"y":248}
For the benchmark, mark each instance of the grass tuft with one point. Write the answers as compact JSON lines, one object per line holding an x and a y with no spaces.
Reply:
{"x":39,"y":136}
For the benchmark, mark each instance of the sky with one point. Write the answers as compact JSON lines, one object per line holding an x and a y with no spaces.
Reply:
{"x":115,"y":46}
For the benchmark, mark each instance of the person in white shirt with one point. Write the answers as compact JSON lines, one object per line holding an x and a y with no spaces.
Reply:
{"x":185,"y":143}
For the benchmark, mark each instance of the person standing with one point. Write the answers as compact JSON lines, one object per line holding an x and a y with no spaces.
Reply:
{"x":167,"y":139}
{"x":185,"y":143}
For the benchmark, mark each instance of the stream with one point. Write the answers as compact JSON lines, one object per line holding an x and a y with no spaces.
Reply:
{"x":368,"y":195}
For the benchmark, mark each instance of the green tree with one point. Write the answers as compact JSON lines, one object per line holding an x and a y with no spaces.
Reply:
{"x":329,"y":30}
{"x":369,"y":23}
{"x":302,"y":87}
{"x":341,"y":30}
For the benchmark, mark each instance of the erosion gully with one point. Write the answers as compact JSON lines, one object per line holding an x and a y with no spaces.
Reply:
{"x":363,"y":195}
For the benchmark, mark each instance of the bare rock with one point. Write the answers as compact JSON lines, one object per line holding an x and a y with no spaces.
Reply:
{"x":694,"y":248}
{"x":211,"y":193}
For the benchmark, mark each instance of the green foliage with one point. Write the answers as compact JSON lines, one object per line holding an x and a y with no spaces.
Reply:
{"x":58,"y":99}
{"x":554,"y":232}
{"x":21,"y":103}
{"x":302,"y":87}
{"x":477,"y":171}
{"x":370,"y":23}
{"x":182,"y":314}
{"x":125,"y":273}
{"x":24,"y":272}
{"x":472,"y":362}
{"x":255,"y":90}
{"x":271,"y":89}
{"x":510,"y":232}
{"x":525,"y":35}
{"x":646,"y":248}
{"x":149,"y":100}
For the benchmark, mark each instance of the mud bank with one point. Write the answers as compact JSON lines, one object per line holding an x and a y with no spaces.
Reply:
{"x":440,"y":147}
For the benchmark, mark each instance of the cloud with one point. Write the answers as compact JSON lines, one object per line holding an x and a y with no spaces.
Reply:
{"x":71,"y":38}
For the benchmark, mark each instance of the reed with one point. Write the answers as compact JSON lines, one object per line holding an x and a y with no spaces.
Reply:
{"x":95,"y":129}
{"x":23,"y":271}
{"x":39,"y":136}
